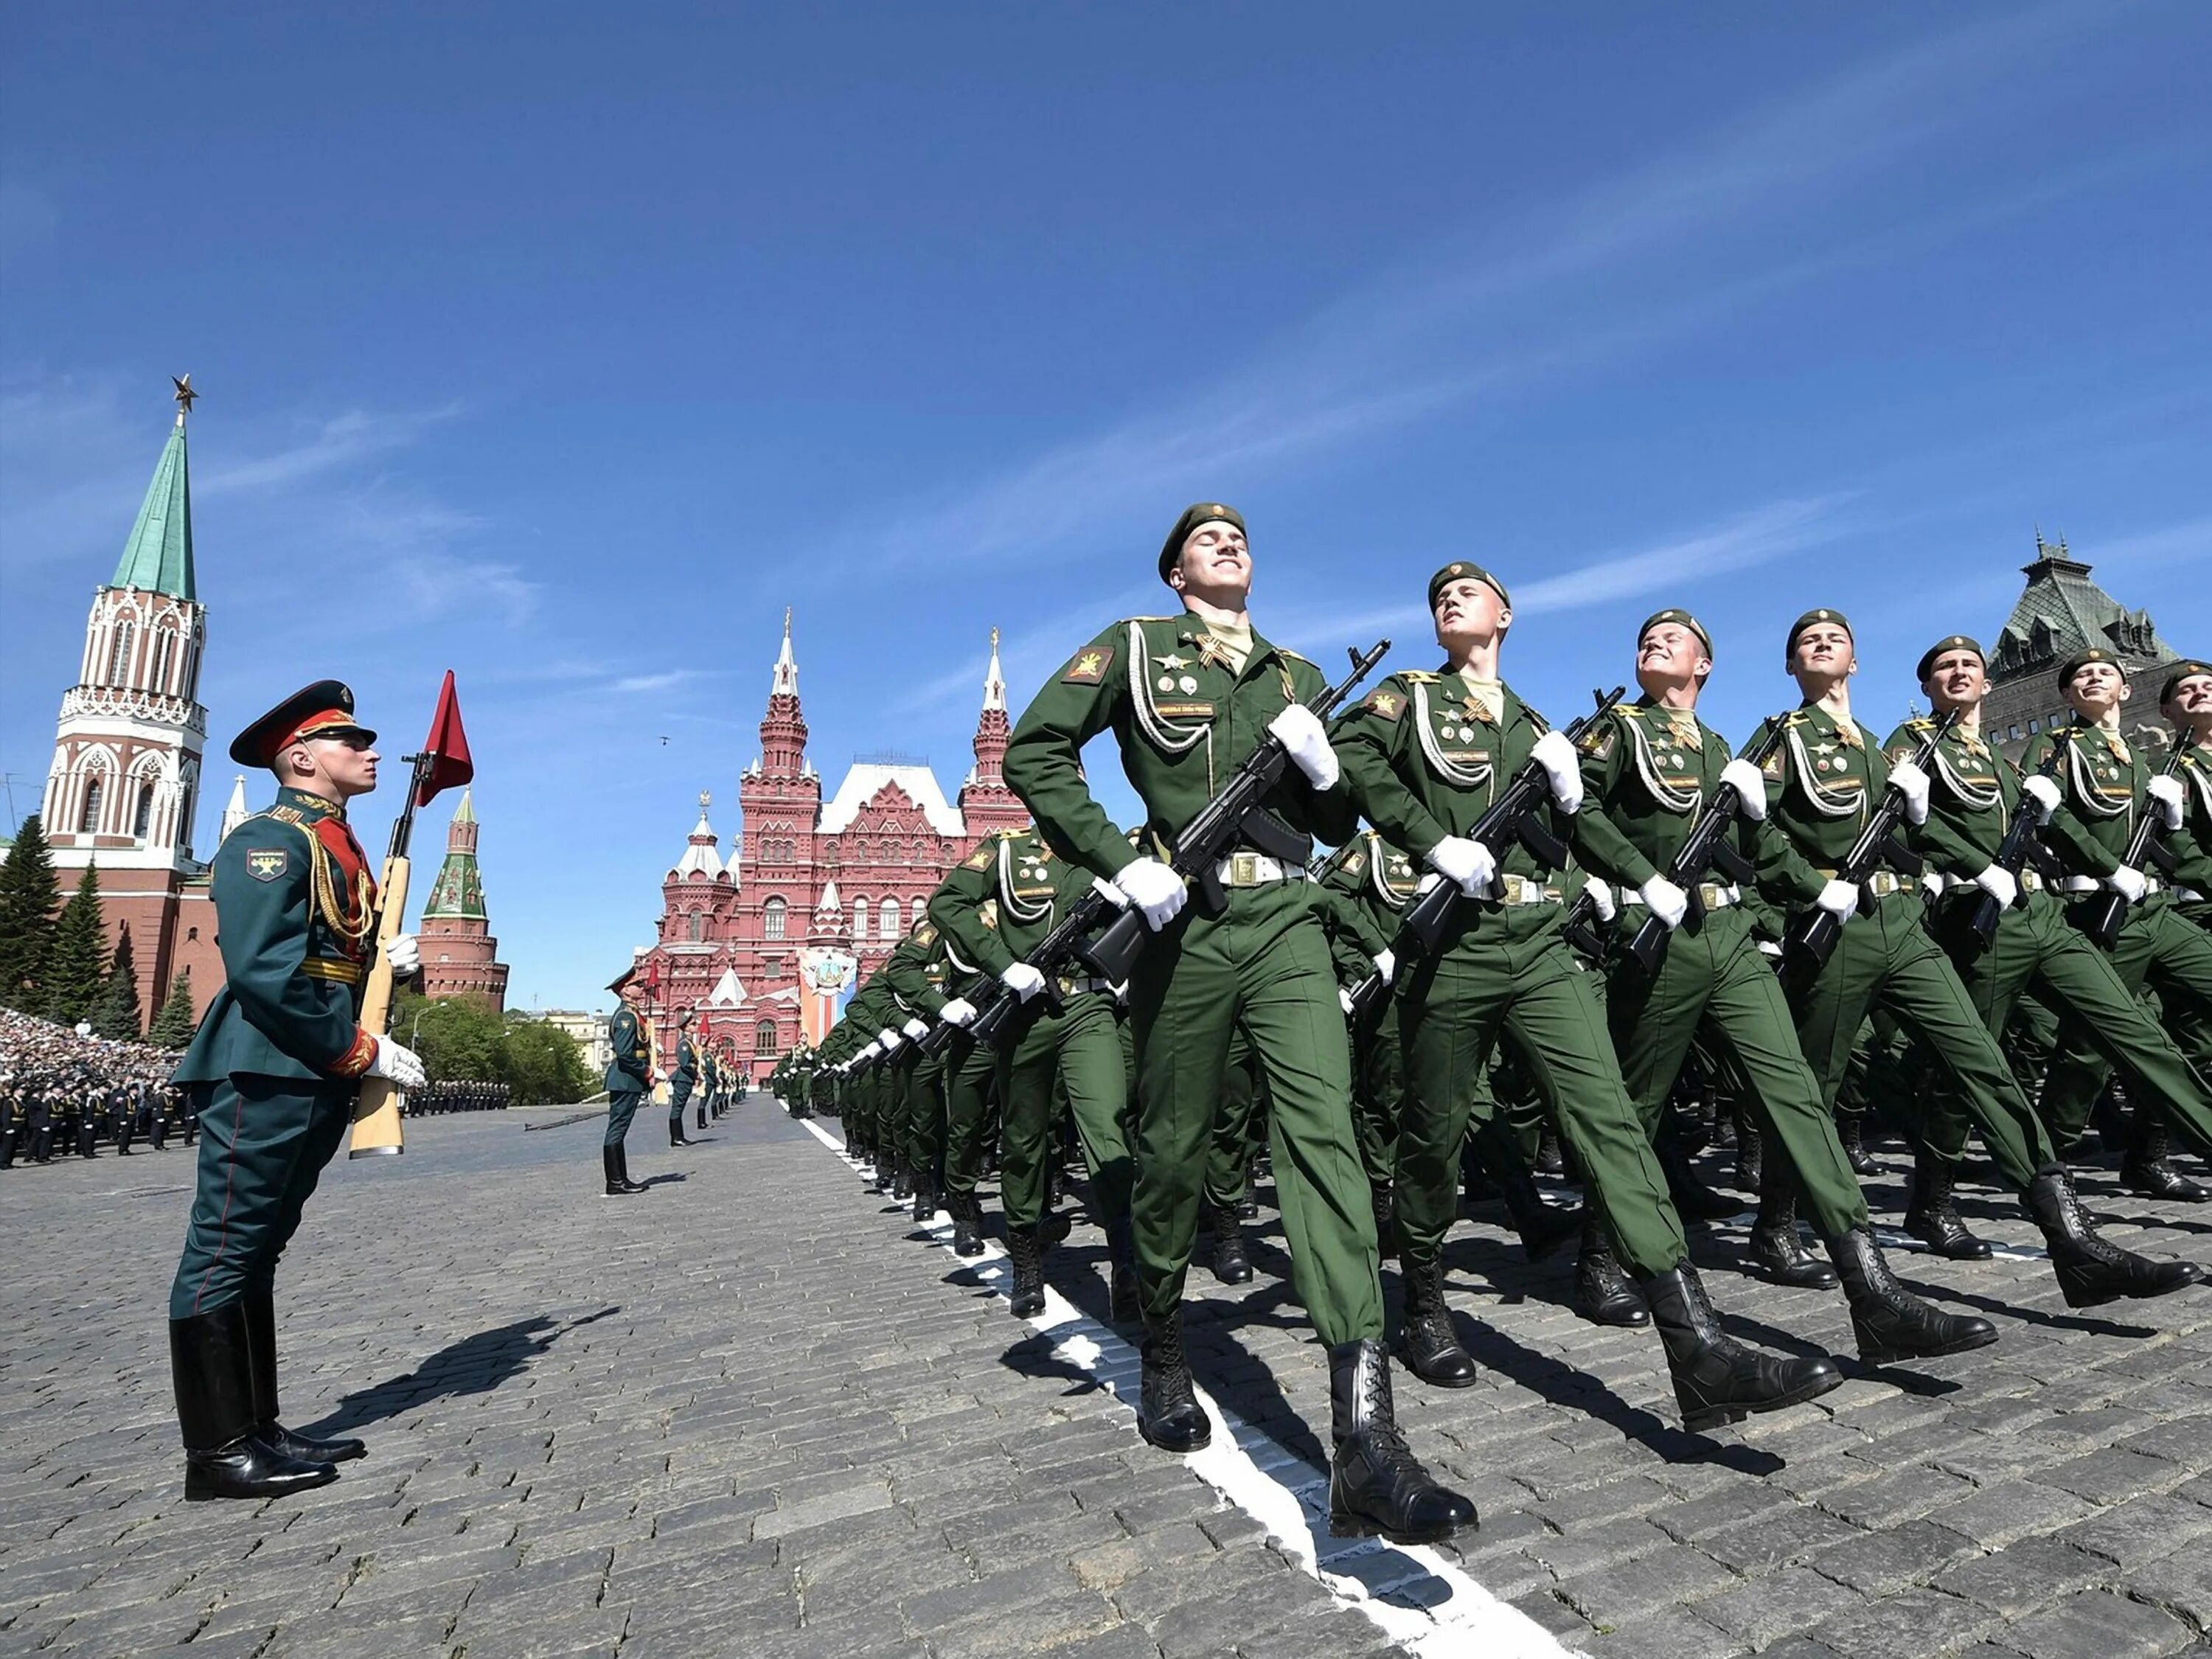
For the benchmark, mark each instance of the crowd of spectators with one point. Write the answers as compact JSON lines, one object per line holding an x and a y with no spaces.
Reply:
{"x":64,"y":1091}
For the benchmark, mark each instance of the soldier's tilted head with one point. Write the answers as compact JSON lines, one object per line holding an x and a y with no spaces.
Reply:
{"x":1468,"y":604}
{"x":312,"y":741}
{"x":2186,"y":695}
{"x":1206,"y":555}
{"x":2096,"y":681}
{"x":1672,"y":649}
{"x":1953,"y":673}
{"x":1820,"y":647}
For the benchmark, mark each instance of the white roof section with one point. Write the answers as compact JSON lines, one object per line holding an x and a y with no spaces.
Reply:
{"x":236,"y":811}
{"x":862,"y":784}
{"x":727,"y":993}
{"x":829,"y":900}
{"x":700,"y":858}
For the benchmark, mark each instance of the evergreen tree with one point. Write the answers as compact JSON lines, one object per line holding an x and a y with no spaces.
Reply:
{"x":120,"y":1016}
{"x":76,"y":967}
{"x":28,"y":898}
{"x":174,"y":1025}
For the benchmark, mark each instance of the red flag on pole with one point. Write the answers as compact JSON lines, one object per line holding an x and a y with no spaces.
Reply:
{"x":448,"y":746}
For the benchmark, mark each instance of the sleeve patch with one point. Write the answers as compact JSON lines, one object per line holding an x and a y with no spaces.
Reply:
{"x":1089,"y":665}
{"x":1598,"y":741}
{"x":267,"y":863}
{"x":1773,"y":766}
{"x":1384,"y":702}
{"x":982,"y":858}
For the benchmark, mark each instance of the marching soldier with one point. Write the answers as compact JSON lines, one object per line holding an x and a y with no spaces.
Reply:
{"x":276,"y":1064}
{"x":682,"y":1081}
{"x":969,"y":1067}
{"x":932,"y":982}
{"x":629,"y":1075}
{"x":1187,"y":698}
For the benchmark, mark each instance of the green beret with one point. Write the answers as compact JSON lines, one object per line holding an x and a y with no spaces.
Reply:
{"x":2080,"y":659}
{"x":1196,"y":513}
{"x":1823,"y":614}
{"x":1949,"y":642}
{"x":2188,"y":670}
{"x":1674,"y":613}
{"x":1459,"y":568}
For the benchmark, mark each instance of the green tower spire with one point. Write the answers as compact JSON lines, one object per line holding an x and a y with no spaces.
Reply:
{"x":158,"y":557}
{"x":457,"y":894}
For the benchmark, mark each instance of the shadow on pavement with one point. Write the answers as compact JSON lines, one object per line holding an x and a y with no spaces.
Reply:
{"x":475,"y":1364}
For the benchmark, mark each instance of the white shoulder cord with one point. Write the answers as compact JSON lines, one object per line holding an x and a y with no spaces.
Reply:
{"x":1452,"y":771}
{"x":1668,"y":797}
{"x":2085,"y":787}
{"x":1827,"y":804}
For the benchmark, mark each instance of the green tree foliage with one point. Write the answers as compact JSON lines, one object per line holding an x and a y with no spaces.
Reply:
{"x":464,"y":1039}
{"x":120,"y":1016}
{"x":28,"y":896}
{"x":544,"y":1064}
{"x":76,"y":967}
{"x":174,"y":1025}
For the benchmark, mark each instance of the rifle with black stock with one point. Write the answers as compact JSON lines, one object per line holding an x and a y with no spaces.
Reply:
{"x":2148,"y":845}
{"x":1512,"y":817}
{"x":1001,"y":1015}
{"x":2013,"y":854}
{"x":1707,"y":846}
{"x":1235,"y":815}
{"x":1812,"y":940}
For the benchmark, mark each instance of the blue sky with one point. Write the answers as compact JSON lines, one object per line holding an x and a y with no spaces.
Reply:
{"x":569,"y":347}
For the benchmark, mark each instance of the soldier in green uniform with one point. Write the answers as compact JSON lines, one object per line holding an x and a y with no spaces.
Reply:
{"x":1430,"y":752}
{"x":277,"y":1063}
{"x":2186,"y":700}
{"x":1822,"y":784}
{"x":870,"y":1007}
{"x":1187,"y":698}
{"x":630,"y":1075}
{"x":935,"y":985}
{"x":996,"y":906}
{"x":681,"y":1081}
{"x":1652,"y":766}
{"x":2105,"y":787}
{"x":710,"y":1081}
{"x":910,"y":999}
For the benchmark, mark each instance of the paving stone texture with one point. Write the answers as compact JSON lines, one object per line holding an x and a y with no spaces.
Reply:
{"x":752,"y":1412}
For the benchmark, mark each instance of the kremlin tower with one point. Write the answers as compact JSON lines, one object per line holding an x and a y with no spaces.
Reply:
{"x":455,"y":934}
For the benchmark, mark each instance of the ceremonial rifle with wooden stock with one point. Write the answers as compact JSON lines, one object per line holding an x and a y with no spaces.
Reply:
{"x":2012,"y":854}
{"x":1707,"y":846}
{"x":1512,"y":817}
{"x":1235,"y":815}
{"x":1812,"y":940}
{"x":2146,"y":846}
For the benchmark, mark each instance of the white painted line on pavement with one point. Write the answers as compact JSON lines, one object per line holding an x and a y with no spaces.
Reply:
{"x":1417,"y":1597}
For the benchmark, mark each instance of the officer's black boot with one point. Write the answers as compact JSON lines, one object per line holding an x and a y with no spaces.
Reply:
{"x":2092,"y":1270}
{"x":703,"y":1119}
{"x":1550,"y":1159}
{"x":261,"y":1349}
{"x":607,"y":1161}
{"x":967,"y":1224}
{"x":1026,"y":1300}
{"x":1376,"y":1485}
{"x":1122,"y":1304}
{"x":8,"y":1150}
{"x":1889,"y":1321}
{"x":1231,"y":1266}
{"x":224,"y":1457}
{"x":2145,"y":1169}
{"x":1850,"y":1129}
{"x":1169,"y":1415}
{"x":676,"y":1135}
{"x":1933,"y":1218}
{"x":622,"y":1170}
{"x":925,"y":1200}
{"x":1543,"y":1227}
{"x":1602,"y":1293}
{"x":1776,"y":1249}
{"x":1717,"y":1379}
{"x":1426,"y":1341}
{"x":1693,"y":1199}
{"x":902,"y":1178}
{"x":1750,"y":1158}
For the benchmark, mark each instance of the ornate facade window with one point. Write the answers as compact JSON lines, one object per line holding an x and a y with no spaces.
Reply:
{"x":860,"y":919}
{"x":764,"y":1038}
{"x":119,"y":655}
{"x":88,"y":817}
{"x":772,"y":919}
{"x":890,"y":918}
{"x":143,"y":816}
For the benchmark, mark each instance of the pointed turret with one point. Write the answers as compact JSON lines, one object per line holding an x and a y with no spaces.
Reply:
{"x":994,"y":682}
{"x":235,"y":811}
{"x":158,"y":557}
{"x":986,"y":804}
{"x":783,"y":728}
{"x":785,"y":683}
{"x":458,"y":948}
{"x":457,"y":894}
{"x":700,"y":858}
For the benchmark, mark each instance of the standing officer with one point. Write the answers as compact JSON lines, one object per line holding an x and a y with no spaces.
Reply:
{"x":276,"y":1064}
{"x":629,"y":1075}
{"x":1187,"y":698}
{"x":682,"y":1081}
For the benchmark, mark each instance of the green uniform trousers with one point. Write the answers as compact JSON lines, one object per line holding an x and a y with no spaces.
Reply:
{"x":263,"y":1141}
{"x":1887,"y":960}
{"x":622,"y":1107}
{"x":1238,"y":1124}
{"x":969,"y":1067}
{"x":1527,"y":987}
{"x":2160,"y":950}
{"x":1715,"y":981}
{"x":925,"y":1111}
{"x":1378,"y":1085}
{"x":1261,"y":966}
{"x":1078,"y":1050}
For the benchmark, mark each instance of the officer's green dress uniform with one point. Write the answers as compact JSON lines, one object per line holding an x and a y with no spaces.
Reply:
{"x":681,"y":1083}
{"x":630,"y":1072}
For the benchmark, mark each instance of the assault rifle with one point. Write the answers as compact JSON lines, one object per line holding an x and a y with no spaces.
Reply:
{"x":1811,"y":940}
{"x":1707,"y":846}
{"x":1512,"y":817}
{"x":2145,"y":846}
{"x":2012,"y":854}
{"x":1233,"y":817}
{"x":1000,"y":1014}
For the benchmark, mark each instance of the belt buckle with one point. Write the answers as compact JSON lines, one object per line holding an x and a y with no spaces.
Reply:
{"x":1243,"y":869}
{"x":1513,"y":886}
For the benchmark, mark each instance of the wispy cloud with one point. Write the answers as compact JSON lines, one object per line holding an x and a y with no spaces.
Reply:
{"x":632,"y":683}
{"x":339,"y":441}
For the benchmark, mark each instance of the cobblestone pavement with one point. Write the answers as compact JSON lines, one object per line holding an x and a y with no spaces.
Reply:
{"x":753,"y":1412}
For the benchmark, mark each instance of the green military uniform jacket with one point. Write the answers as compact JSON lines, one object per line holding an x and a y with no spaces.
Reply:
{"x":1185,"y":720}
{"x":630,"y":1068}
{"x":2102,"y":782}
{"x":1365,"y":886}
{"x":295,"y":908}
{"x":997,"y":904}
{"x":914,"y":975}
{"x":1822,"y":786}
{"x":1972,"y":792}
{"x":2192,"y":842}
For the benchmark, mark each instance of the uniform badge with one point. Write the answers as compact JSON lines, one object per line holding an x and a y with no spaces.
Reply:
{"x":267,"y":863}
{"x":1352,"y":863}
{"x":1598,"y":742}
{"x":981,"y":859}
{"x":1385,"y":703}
{"x":1089,"y":665}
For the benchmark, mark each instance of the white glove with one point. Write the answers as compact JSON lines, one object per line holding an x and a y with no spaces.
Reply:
{"x":1467,"y":862}
{"x":1153,"y":889}
{"x":1934,"y":882}
{"x":1839,"y":899}
{"x":1770,"y":950}
{"x":1750,"y":786}
{"x":888,"y":1038}
{"x":1667,"y":901}
{"x":1911,"y":782}
{"x":1024,"y":981}
{"x":397,"y":1064}
{"x":915,"y":1029}
{"x":1107,"y":890}
{"x":2000,"y":884}
{"x":405,"y":956}
{"x":2043,"y":791}
{"x":1556,"y":755}
{"x":2166,"y":792}
{"x":1386,"y":964}
{"x":958,"y":1011}
{"x":2128,"y":882}
{"x":1601,"y":898}
{"x":1298,"y":729}
{"x":870,"y":1052}
{"x":1344,"y":1000}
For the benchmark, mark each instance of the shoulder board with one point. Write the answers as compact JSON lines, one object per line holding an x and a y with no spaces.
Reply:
{"x":1535,"y":719}
{"x":1417,"y":677}
{"x":1629,"y":709}
{"x":1385,"y":700}
{"x":1145,"y":619}
{"x":1919,"y":723}
{"x":925,"y":934}
{"x":1088,"y":666}
{"x":1295,"y":656}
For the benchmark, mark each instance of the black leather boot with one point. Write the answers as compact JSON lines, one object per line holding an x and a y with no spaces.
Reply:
{"x":2092,"y":1270}
{"x":1602,"y":1293}
{"x":1383,"y":1202}
{"x":1026,"y":1298}
{"x":1376,"y":1485}
{"x":1775,"y":1248}
{"x":1851,"y":1130}
{"x":1543,"y":1227}
{"x":967,"y":1225}
{"x":1717,"y":1378}
{"x":901,"y":1179}
{"x":224,"y":1457}
{"x":1932,"y":1218}
{"x":1551,"y":1160}
{"x":622,"y":1170}
{"x":1123,"y":1306}
{"x":261,"y":1353}
{"x":924,"y":1201}
{"x":1169,"y":1415}
{"x":615,"y":1186}
{"x":1231,"y":1266}
{"x":2145,"y":1169}
{"x":1693,"y":1199}
{"x":1427,"y":1340}
{"x":1750,"y":1158}
{"x":1889,"y":1321}
{"x":703,"y":1118}
{"x":676,"y":1135}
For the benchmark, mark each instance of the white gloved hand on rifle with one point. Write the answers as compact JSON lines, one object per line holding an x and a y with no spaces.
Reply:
{"x":888,"y":1038}
{"x":1840,"y":899}
{"x":957,"y":1011}
{"x":1386,"y":965}
{"x":1555,"y":753}
{"x":1024,"y":981}
{"x":1911,"y":782}
{"x":1750,"y":787}
{"x":2044,"y":792}
{"x":2128,"y":882}
{"x":1665,"y":901}
{"x":404,"y":954}
{"x":1467,"y":862}
{"x":1298,"y":729}
{"x":2166,"y":791}
{"x":1601,"y":898}
{"x":2001,"y":884}
{"x":397,"y":1065}
{"x":914,"y":1029}
{"x":1153,"y":889}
